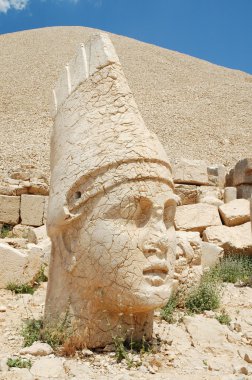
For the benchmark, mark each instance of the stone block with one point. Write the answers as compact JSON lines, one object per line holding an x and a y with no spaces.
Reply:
{"x":235,"y":212}
{"x":16,"y":266}
{"x":210,"y":194}
{"x":9,"y":209}
{"x":190,"y":172}
{"x":217,"y":175}
{"x":244,"y":191}
{"x":32,"y":209}
{"x":211,"y":254}
{"x":35,"y":235}
{"x":230,"y":194}
{"x":243,"y":172}
{"x":229,"y":182}
{"x":196,"y":217}
{"x":236,"y":239}
{"x":187,"y":193}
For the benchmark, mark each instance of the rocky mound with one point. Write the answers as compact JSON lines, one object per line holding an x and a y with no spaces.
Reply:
{"x":199,"y":110}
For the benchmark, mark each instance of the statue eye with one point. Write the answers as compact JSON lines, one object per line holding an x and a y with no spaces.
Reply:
{"x":128,"y":209}
{"x":144,"y":212}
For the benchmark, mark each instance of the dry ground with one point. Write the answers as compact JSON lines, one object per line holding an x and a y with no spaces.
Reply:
{"x":196,"y":348}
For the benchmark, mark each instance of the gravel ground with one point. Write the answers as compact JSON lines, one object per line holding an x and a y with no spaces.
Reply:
{"x":199,"y":110}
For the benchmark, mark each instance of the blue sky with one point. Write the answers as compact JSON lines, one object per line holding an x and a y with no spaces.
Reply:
{"x":219,"y":31}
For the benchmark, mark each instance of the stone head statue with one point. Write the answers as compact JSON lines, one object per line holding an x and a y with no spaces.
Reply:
{"x":111,"y":206}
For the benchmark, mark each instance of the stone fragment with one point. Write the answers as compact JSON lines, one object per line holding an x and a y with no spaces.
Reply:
{"x":43,"y":250}
{"x":230,"y":178}
{"x":3,"y":309}
{"x":37,"y":349}
{"x":230,"y":194}
{"x":210,"y":194}
{"x":19,"y":243}
{"x":243,"y":172}
{"x":32,"y":209}
{"x":16,"y":266}
{"x":20,"y":231}
{"x":9,"y":209}
{"x":191,"y":245}
{"x":196,"y":217}
{"x":187,"y":193}
{"x":35,"y":235}
{"x":244,"y":191}
{"x":38,"y":188}
{"x":235,"y":212}
{"x":217,"y":175}
{"x":211,"y":254}
{"x":236,"y":239}
{"x":208,"y":335}
{"x":51,"y":368}
{"x":245,"y":354}
{"x":190,"y":172}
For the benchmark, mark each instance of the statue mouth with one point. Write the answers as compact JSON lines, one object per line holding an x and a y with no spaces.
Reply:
{"x":156,"y":273}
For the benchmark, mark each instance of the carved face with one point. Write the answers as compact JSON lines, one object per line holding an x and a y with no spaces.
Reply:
{"x":124,"y":250}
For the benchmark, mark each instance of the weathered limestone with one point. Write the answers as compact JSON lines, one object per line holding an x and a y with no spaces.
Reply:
{"x":196,"y":217}
{"x":216,"y":175}
{"x":16,"y":266}
{"x":236,"y":239}
{"x":210,"y":194}
{"x":243,"y":172}
{"x":35,"y":235}
{"x":211,"y":254}
{"x":187,"y":193}
{"x":9,"y":209}
{"x":235,"y":212}
{"x":111,"y":206}
{"x":32,"y":209}
{"x":244,"y":191}
{"x":230,"y":194}
{"x":190,"y":172}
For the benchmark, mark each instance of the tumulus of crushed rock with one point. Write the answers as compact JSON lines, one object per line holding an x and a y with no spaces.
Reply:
{"x":199,"y":110}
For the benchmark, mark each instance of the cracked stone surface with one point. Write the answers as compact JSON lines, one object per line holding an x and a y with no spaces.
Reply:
{"x":111,"y":205}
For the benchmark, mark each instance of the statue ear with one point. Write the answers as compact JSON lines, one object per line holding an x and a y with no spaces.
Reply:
{"x":67,"y":257}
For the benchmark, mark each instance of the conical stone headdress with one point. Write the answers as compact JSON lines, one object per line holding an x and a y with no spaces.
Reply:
{"x":99,"y":138}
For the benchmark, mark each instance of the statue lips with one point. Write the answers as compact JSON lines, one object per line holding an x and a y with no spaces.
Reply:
{"x":156,"y":273}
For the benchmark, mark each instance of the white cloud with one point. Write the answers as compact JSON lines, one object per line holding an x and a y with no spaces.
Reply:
{"x":5,"y":5}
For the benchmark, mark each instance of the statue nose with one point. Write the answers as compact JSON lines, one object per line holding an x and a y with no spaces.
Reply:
{"x":155,"y":244}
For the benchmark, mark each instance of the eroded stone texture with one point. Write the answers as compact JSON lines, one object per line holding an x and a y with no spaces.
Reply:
{"x":111,"y":205}
{"x":9,"y":209}
{"x":197,"y":217}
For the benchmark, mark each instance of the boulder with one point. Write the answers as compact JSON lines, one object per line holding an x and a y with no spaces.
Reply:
{"x":208,"y":335}
{"x":196,"y":217}
{"x":37,"y":349}
{"x":16,"y":266}
{"x":211,"y":254}
{"x":236,"y":239}
{"x":230,"y":194}
{"x":9,"y":209}
{"x":187,"y":193}
{"x":243,"y":172}
{"x":244,"y":191}
{"x":32,"y":209}
{"x":216,"y":175}
{"x":35,"y":235}
{"x":190,"y":172}
{"x":235,"y":212}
